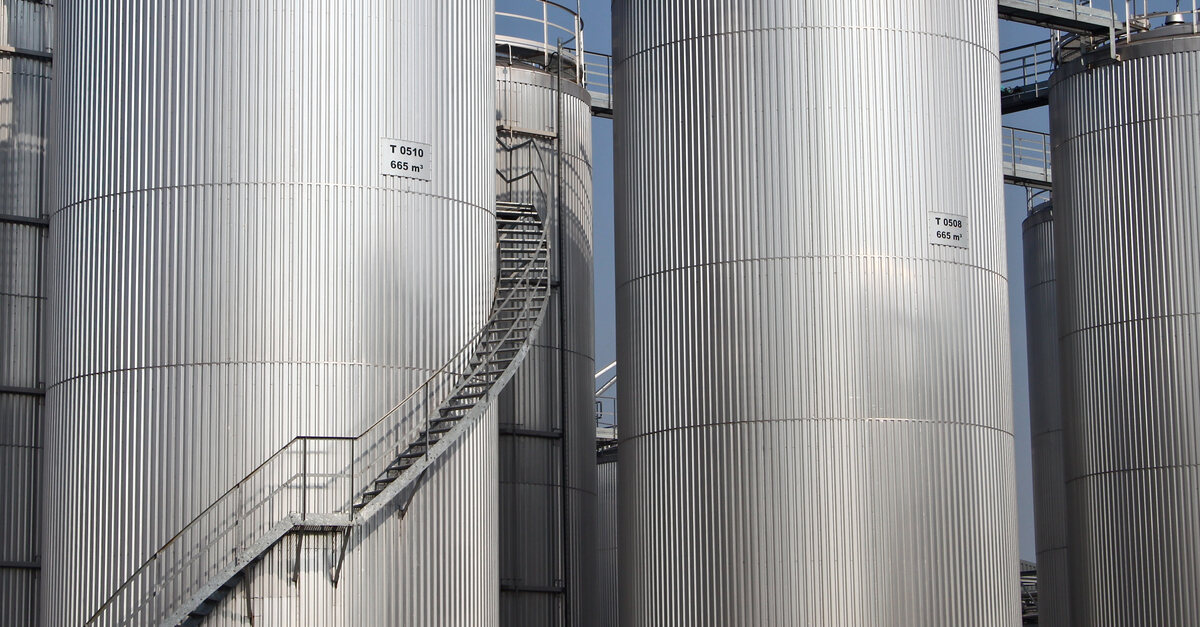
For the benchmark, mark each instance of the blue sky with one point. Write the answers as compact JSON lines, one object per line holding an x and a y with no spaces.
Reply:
{"x":596,"y":14}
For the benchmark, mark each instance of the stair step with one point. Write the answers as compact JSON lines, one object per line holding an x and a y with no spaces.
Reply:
{"x":462,"y":396}
{"x":399,"y":467}
{"x":411,"y":453}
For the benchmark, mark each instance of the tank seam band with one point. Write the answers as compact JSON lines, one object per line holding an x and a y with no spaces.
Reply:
{"x":790,"y":420}
{"x":77,"y":204}
{"x":1105,"y":129}
{"x":209,"y":364}
{"x":1119,"y":471}
{"x":1122,"y":322}
{"x":803,"y":257}
{"x":994,"y":54}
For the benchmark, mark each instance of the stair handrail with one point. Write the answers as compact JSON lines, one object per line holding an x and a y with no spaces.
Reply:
{"x":302,"y":442}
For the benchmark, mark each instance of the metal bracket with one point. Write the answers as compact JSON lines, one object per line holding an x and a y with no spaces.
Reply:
{"x":25,"y":53}
{"x":249,"y":605}
{"x":553,"y":434}
{"x":335,"y":573}
{"x":25,"y":220}
{"x":299,"y":544}
{"x":8,"y":389}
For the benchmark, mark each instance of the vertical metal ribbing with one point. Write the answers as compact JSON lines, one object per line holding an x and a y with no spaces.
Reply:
{"x":25,"y":78}
{"x":816,"y":419}
{"x":230,"y":268}
{"x":607,"y":541}
{"x":1046,"y":419}
{"x":1126,"y":153}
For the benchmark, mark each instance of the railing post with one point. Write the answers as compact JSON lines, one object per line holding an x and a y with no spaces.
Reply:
{"x":351,"y":500}
{"x":1046,"y":154}
{"x":579,"y":52}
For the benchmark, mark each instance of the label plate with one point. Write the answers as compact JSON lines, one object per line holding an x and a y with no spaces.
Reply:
{"x":948,"y":229}
{"x":409,"y":159}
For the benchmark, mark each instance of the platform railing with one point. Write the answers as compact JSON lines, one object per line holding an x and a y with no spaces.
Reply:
{"x":598,"y":79}
{"x":1028,"y":66}
{"x":543,"y":27}
{"x":1143,"y":15}
{"x":1140,"y":16}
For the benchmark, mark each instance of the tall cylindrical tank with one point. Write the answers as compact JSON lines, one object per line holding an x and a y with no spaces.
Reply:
{"x":607,"y":540}
{"x":816,"y":415}
{"x":547,"y":425}
{"x":1126,"y":136}
{"x":233,"y":263}
{"x":1045,"y":417}
{"x":25,"y":71}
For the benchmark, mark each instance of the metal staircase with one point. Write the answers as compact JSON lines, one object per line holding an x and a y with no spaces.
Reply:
{"x":335,"y":484}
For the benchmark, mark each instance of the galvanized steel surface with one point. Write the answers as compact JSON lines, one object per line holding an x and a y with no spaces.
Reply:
{"x":1127,"y":253}
{"x":542,"y":555}
{"x":815,"y":392}
{"x":24,"y":98}
{"x":230,"y":269}
{"x":1046,"y":421}
{"x":607,"y":572}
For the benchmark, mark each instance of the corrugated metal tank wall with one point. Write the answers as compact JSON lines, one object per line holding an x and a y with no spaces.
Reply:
{"x":230,"y":268}
{"x":607,"y":573}
{"x":540,"y":554}
{"x":25,"y":38}
{"x":816,"y":413}
{"x":1046,"y":423}
{"x":1126,"y":154}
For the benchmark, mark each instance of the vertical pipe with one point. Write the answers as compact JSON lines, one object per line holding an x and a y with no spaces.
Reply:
{"x":563,"y":388}
{"x":304,"y":481}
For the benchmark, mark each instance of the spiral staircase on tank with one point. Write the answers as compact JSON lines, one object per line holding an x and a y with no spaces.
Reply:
{"x":335,"y":484}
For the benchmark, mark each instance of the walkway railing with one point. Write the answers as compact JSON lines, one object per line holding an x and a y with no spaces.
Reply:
{"x":598,"y":79}
{"x":537,"y":31}
{"x":1095,"y":17}
{"x":1027,"y":158}
{"x":1025,"y":75}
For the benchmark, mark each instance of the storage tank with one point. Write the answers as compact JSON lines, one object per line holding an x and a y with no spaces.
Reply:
{"x":547,"y":426}
{"x":25,"y":71}
{"x":236,"y":259}
{"x":1045,"y":417}
{"x":816,"y":414}
{"x":1126,"y":135}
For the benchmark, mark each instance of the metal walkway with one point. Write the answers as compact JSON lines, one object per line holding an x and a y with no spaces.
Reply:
{"x":1075,"y":16}
{"x":1025,"y":76}
{"x":1027,"y":158}
{"x":334,"y":484}
{"x":598,"y":78}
